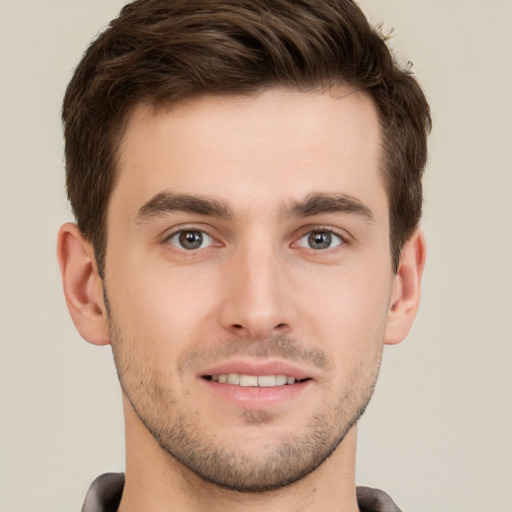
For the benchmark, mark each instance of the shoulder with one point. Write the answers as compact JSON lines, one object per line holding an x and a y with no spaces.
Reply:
{"x":375,"y":500}
{"x":105,"y":493}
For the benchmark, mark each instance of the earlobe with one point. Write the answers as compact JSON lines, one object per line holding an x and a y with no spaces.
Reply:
{"x":83,"y":287}
{"x":406,"y":292}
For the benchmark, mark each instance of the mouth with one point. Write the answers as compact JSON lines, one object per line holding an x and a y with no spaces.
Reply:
{"x":254,"y":381}
{"x":257,"y":385}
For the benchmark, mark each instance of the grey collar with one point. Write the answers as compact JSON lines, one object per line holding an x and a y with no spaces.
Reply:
{"x":105,"y":493}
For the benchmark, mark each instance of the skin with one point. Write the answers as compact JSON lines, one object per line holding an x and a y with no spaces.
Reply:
{"x":258,"y":291}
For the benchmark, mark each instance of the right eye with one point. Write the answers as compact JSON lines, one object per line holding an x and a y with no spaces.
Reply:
{"x":190,"y":240}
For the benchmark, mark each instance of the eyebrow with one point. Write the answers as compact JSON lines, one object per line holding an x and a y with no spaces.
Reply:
{"x":169,"y":202}
{"x":321,"y":203}
{"x":312,"y":204}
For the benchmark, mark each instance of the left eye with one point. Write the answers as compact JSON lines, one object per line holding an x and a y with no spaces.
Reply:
{"x":319,"y":240}
{"x":191,"y":240}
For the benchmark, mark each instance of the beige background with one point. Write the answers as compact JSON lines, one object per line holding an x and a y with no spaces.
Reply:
{"x":438,"y":434}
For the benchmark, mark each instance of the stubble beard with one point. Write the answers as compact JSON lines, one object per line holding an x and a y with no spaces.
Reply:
{"x":229,"y":466}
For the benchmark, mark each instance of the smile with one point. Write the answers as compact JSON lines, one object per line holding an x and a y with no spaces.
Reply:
{"x":261,"y":381}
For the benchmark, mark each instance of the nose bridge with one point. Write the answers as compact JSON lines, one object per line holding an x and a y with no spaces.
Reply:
{"x":257,"y":303}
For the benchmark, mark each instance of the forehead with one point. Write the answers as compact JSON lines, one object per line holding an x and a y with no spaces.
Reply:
{"x":259,"y":150}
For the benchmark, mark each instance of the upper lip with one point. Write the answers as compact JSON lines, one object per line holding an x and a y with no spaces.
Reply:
{"x":258,"y":368}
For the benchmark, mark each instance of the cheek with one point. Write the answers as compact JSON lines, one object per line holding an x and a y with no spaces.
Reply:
{"x":164,"y":312}
{"x":348,"y":312}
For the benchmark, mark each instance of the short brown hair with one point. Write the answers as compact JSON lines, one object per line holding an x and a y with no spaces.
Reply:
{"x":164,"y":51}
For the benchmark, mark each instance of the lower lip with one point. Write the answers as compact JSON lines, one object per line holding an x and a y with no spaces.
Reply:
{"x":255,"y":397}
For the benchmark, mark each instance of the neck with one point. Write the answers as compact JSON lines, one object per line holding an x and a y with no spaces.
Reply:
{"x":156,"y":482}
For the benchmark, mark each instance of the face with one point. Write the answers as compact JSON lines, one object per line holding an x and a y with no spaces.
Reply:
{"x":248,"y":277}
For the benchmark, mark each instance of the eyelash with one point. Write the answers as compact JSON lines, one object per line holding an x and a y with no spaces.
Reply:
{"x":304,"y":233}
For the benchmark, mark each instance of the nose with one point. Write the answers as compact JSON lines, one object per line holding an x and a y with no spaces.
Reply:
{"x":258,"y":294}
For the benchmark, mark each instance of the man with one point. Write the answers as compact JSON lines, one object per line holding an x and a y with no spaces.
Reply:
{"x":246,"y":179}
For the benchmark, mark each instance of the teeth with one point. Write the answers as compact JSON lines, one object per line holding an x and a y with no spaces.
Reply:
{"x":281,"y":380}
{"x":263,"y":381}
{"x":248,"y":380}
{"x":266,"y":381}
{"x":234,"y":378}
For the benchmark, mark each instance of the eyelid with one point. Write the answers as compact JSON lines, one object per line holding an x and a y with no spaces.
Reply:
{"x":192,"y":226}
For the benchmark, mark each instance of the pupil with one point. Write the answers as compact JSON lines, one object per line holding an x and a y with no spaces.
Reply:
{"x":320,"y":240}
{"x":191,"y":239}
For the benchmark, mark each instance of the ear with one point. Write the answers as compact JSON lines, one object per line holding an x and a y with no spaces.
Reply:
{"x":406,"y":290}
{"x":82,"y":284}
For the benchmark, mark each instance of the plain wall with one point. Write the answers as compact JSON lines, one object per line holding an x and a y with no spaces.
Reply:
{"x":438,"y":434}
